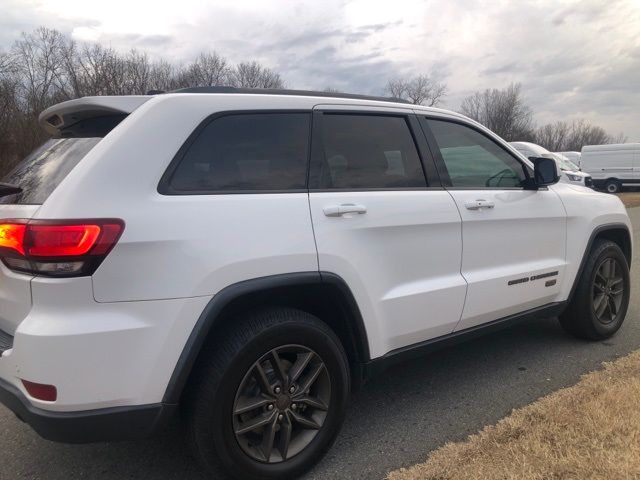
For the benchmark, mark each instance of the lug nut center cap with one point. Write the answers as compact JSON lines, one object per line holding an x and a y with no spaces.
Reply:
{"x":283,"y":402}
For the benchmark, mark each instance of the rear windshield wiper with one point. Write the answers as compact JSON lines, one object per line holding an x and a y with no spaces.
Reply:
{"x":8,"y":189}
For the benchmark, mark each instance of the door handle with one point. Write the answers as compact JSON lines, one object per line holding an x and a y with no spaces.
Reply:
{"x":479,"y":204}
{"x":339,"y":210}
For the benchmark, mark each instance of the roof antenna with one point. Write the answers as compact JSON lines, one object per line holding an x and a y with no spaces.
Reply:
{"x":155,"y":92}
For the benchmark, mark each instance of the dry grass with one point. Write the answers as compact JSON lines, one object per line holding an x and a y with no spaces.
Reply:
{"x":630,"y":199}
{"x":588,"y":431}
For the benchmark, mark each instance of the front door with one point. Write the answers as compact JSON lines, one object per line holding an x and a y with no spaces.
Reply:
{"x":513,"y":238}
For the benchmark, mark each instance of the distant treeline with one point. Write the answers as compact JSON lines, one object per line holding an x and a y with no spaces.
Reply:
{"x":45,"y":67}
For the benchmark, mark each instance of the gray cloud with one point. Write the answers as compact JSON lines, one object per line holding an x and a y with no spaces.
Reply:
{"x":580,"y":59}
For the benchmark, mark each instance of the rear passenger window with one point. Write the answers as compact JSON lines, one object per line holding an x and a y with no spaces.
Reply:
{"x":246,"y":152}
{"x":369,"y":151}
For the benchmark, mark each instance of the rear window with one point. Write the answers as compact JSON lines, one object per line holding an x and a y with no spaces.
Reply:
{"x":246,"y":152}
{"x":42,"y":171}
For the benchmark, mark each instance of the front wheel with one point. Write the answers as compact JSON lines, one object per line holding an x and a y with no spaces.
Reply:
{"x":601,"y":299}
{"x":270,"y":396}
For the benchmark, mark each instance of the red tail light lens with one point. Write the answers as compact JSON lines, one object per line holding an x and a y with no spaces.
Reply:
{"x":12,"y":236}
{"x":57,"y":248}
{"x":47,"y":393}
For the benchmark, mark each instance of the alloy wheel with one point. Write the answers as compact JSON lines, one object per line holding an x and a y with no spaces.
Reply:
{"x":607,"y":291}
{"x":281,"y":404}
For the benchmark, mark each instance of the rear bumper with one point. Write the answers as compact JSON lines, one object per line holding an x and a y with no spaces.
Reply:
{"x":107,"y":424}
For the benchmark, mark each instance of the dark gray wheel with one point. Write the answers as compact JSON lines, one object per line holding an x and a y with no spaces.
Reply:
{"x":601,"y":297}
{"x":281,"y":403}
{"x":612,"y":186}
{"x":268,"y":395}
{"x":607,"y":290}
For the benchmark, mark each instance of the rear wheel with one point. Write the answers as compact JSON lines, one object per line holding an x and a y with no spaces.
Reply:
{"x":601,"y":299}
{"x":269,"y":398}
{"x":613,"y":186}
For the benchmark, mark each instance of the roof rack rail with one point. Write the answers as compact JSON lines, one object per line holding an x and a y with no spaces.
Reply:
{"x":278,"y":91}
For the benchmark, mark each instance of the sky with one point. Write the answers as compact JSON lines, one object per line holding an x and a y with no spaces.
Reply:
{"x":574,"y":59}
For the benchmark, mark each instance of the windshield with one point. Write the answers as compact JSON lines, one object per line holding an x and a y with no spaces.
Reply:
{"x":42,"y":171}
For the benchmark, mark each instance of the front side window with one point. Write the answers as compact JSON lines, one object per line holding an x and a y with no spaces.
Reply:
{"x":473,"y":160}
{"x":246,"y":152}
{"x":369,"y":152}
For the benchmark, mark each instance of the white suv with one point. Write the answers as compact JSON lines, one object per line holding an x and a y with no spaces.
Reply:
{"x":249,"y":257}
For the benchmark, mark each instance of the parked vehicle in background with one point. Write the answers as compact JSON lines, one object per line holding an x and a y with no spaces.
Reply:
{"x":574,"y":157}
{"x":247,"y":257}
{"x":569,"y":172}
{"x":612,"y":166}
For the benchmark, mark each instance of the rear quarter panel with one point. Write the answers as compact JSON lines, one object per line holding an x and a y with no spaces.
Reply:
{"x":180,"y":246}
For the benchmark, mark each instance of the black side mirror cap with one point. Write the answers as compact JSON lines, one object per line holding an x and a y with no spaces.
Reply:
{"x":545,"y":171}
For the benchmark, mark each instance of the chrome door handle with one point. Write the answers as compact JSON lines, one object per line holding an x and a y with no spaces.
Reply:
{"x":339,"y":210}
{"x":479,"y":204}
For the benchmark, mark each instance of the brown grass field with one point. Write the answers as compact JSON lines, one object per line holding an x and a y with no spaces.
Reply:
{"x":630,"y":199}
{"x":588,"y":431}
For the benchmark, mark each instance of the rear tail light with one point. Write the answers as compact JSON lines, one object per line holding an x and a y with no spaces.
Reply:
{"x":57,"y":248}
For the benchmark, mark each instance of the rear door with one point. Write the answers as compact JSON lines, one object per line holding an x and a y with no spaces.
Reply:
{"x":513,"y":238}
{"x":392,"y":233}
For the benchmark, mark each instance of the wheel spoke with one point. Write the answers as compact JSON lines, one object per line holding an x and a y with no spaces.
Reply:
{"x":311,"y":377}
{"x":615,"y":281}
{"x":599,"y":287}
{"x":254,"y":423}
{"x":279,"y":369}
{"x":285,"y":436}
{"x":300,"y":364}
{"x":268,"y":439}
{"x":305,"y":422}
{"x":246,"y":404}
{"x":261,"y":378}
{"x":600,"y":305}
{"x":612,"y":308}
{"x":312,"y":402}
{"x":602,"y":277}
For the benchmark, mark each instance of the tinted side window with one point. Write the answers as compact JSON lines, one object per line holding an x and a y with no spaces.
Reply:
{"x":263,"y":151}
{"x":474,"y":160}
{"x":368,"y":151}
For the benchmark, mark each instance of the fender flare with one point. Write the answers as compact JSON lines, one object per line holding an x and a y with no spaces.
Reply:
{"x":211,"y":315}
{"x":597,"y":231}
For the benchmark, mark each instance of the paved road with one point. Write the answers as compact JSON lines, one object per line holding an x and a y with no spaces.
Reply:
{"x":394,"y":422}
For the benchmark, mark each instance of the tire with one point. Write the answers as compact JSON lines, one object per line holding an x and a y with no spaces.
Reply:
{"x":582,"y":315}
{"x":226,"y":382}
{"x":613,"y":186}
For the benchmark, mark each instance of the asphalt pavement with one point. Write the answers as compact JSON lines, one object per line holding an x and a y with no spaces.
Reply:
{"x":393,"y":422}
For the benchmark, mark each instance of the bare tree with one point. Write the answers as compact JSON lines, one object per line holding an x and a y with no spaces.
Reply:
{"x":254,"y":75}
{"x":563,"y":136}
{"x":420,"y":90}
{"x":502,"y":111}
{"x":553,"y":136}
{"x":209,"y":69}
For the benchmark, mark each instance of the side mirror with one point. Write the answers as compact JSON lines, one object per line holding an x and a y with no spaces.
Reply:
{"x":545,"y":171}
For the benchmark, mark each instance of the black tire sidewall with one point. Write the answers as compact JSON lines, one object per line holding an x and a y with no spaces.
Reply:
{"x":221,"y":436}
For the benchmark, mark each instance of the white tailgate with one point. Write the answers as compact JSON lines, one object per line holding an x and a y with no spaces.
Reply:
{"x":15,"y":288}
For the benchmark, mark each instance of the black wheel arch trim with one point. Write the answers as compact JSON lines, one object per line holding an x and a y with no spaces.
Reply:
{"x":211,"y":315}
{"x":592,"y":238}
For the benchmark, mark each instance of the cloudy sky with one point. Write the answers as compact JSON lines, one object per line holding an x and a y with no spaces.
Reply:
{"x":575,"y":59}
